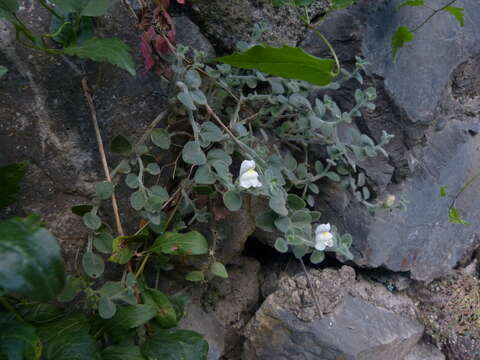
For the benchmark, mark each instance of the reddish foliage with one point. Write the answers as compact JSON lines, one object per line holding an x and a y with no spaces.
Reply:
{"x":158,"y":31}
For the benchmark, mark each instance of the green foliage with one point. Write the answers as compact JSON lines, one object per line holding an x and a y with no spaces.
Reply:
{"x":72,"y":27}
{"x":111,"y":50}
{"x":457,"y":12}
{"x":175,"y":345}
{"x":191,"y":243}
{"x":3,"y":70}
{"x":30,"y":261}
{"x":402,"y":36}
{"x":288,"y":62}
{"x":10,"y":177}
{"x":455,"y":217}
{"x":18,"y":340}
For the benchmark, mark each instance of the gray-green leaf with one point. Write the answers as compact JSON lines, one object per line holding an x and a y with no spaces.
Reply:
{"x":192,"y":154}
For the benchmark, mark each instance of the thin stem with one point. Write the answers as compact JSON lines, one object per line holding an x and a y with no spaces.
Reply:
{"x":103,"y":157}
{"x":435,"y":12}
{"x":465,"y":187}
{"x":312,"y":289}
{"x":330,"y":47}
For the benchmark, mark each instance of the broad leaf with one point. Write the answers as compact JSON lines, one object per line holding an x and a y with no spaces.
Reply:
{"x":68,"y":338}
{"x":412,"y":3}
{"x":173,"y":243}
{"x":30,"y":259}
{"x":10,"y":177}
{"x":122,"y":352}
{"x":166,"y":315}
{"x":232,"y":200}
{"x":195,"y":276}
{"x":402,"y":35}
{"x":18,"y":340}
{"x":93,"y":264}
{"x":8,"y":8}
{"x":457,"y":12}
{"x":104,"y":190}
{"x":161,"y":138}
{"x":288,"y":62}
{"x":84,"y":7}
{"x":175,"y":345}
{"x":129,"y":317}
{"x":111,"y":50}
{"x":192,"y":154}
{"x":67,"y":32}
{"x":219,"y":270}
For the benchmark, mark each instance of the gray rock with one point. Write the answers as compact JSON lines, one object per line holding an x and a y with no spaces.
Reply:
{"x":429,"y":104}
{"x":228,"y":22}
{"x":352,"y":327}
{"x":196,"y":319}
{"x":425,"y":351}
{"x":189,"y":35}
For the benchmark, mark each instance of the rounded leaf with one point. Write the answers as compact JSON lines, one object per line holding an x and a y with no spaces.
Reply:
{"x":219,"y":270}
{"x":232,"y":200}
{"x":192,"y":154}
{"x":93,"y":264}
{"x":161,"y":138}
{"x":106,"y":308}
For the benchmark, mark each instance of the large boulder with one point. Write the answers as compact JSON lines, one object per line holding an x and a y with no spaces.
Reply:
{"x":429,"y":100}
{"x":359,"y":321}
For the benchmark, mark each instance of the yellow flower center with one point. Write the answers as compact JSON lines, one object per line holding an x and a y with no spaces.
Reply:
{"x":251,"y":172}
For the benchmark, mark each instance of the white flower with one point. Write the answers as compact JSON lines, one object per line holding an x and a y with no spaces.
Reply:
{"x":323,"y":237}
{"x":248,"y":176}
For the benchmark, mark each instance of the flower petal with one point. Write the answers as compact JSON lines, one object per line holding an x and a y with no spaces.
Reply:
{"x":322,"y":228}
{"x":246,"y":165}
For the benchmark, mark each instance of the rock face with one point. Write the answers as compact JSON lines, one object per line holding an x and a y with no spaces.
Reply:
{"x":359,"y":321}
{"x":432,"y":109}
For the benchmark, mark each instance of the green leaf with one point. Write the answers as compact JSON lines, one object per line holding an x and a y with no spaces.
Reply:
{"x":204,"y":176}
{"x":317,"y":257}
{"x":457,"y":12}
{"x":68,"y":338}
{"x":161,"y":138}
{"x":10,"y":177}
{"x":402,"y":35}
{"x":122,"y":352}
{"x":195,"y":276}
{"x":266,"y":221}
{"x":129,"y":317}
{"x":104,"y":190}
{"x":186,"y":99}
{"x":175,"y":345}
{"x":72,"y":28}
{"x":288,"y":62}
{"x":93,"y":264}
{"x":106,"y":308}
{"x":333,"y":176}
{"x":138,"y":200}
{"x":3,"y":69}
{"x":92,"y":221}
{"x":219,"y":270}
{"x":84,"y":7}
{"x":443,"y":191}
{"x":72,"y":287}
{"x":113,"y":51}
{"x":166,"y":316}
{"x":455,"y":217}
{"x":173,"y":243}
{"x":30,"y":259}
{"x":132,"y":181}
{"x":121,"y":251}
{"x":281,"y":245}
{"x":341,"y":4}
{"x":153,"y":169}
{"x":295,"y":202}
{"x":215,"y":155}
{"x":300,"y":251}
{"x":18,"y":340}
{"x":277,"y":204}
{"x":211,"y":132}
{"x":102,"y":242}
{"x":232,"y":200}
{"x":121,"y":145}
{"x":192,"y":154}
{"x":8,"y":8}
{"x":412,"y":3}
